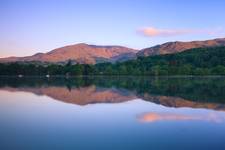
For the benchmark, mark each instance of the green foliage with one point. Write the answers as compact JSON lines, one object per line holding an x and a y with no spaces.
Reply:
{"x":206,"y":89}
{"x":198,"y":61}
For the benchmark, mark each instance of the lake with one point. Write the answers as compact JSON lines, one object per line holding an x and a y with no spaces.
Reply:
{"x":116,"y":113}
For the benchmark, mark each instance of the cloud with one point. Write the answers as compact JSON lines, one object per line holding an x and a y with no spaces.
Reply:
{"x":155,"y":32}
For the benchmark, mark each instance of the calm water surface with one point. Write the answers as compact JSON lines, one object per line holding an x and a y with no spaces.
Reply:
{"x":112,"y":113}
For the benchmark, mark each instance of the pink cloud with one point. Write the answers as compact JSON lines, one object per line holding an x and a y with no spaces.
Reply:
{"x":155,"y":32}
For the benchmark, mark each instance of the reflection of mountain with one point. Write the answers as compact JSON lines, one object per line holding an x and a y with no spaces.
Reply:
{"x":80,"y":96}
{"x":170,"y":101}
{"x":96,"y":94}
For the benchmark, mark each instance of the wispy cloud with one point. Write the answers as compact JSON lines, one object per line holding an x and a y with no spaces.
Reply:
{"x":156,"y":32}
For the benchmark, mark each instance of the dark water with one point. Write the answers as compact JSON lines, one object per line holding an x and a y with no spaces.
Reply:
{"x":112,"y":113}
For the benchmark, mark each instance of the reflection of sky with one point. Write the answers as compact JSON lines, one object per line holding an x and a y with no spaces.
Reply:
{"x":154,"y":116}
{"x":47,"y":123}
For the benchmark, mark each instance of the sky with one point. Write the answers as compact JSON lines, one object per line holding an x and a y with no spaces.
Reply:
{"x":31,"y":26}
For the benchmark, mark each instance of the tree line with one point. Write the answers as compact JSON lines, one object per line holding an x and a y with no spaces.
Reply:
{"x":198,"y":61}
{"x":192,"y":88}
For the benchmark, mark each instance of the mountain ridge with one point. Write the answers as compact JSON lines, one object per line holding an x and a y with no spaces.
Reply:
{"x":83,"y":53}
{"x":80,"y":53}
{"x":179,"y":46}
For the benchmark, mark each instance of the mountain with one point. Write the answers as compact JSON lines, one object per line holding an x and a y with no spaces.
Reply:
{"x":79,"y":53}
{"x":196,"y":61}
{"x":91,"y":54}
{"x":175,"y":47}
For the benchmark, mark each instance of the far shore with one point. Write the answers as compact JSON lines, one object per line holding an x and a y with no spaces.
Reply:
{"x":120,"y":76}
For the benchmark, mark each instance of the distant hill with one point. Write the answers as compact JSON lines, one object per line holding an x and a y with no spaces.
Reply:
{"x":197,"y":61}
{"x":175,"y":47}
{"x":79,"y":53}
{"x":92,"y":54}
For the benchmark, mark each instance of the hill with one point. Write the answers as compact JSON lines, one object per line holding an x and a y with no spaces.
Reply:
{"x":92,"y":54}
{"x":175,"y":47}
{"x":198,"y":61}
{"x":79,"y":53}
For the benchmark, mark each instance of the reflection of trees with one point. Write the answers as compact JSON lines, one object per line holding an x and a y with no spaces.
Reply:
{"x":194,"y":89}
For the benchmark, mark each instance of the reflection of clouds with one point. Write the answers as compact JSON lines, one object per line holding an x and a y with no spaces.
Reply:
{"x":154,"y":116}
{"x":213,"y":117}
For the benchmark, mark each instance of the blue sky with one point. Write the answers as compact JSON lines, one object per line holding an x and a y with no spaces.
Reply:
{"x":31,"y":26}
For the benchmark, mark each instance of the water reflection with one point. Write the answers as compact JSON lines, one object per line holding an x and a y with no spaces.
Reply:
{"x":112,"y":113}
{"x":80,"y":95}
{"x":170,"y":92}
{"x":153,"y":117}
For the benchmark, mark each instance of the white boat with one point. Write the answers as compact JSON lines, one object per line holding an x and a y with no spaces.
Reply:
{"x":20,"y":75}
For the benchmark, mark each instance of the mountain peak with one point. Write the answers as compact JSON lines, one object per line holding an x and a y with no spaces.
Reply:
{"x":91,"y":54}
{"x":81,"y":44}
{"x":178,"y":46}
{"x":79,"y":53}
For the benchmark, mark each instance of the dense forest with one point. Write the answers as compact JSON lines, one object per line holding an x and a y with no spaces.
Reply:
{"x":198,"y":61}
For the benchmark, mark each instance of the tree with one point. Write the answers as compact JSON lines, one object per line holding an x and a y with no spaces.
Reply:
{"x":76,"y":70}
{"x":218,"y":70}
